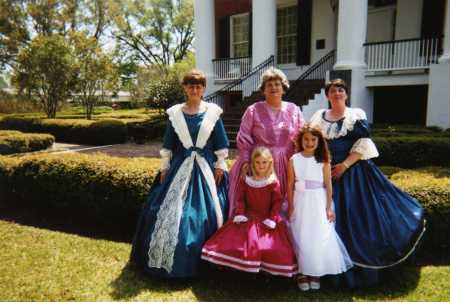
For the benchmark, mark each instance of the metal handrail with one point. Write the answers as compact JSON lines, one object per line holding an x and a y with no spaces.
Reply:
{"x":215,"y":97}
{"x":321,"y":67}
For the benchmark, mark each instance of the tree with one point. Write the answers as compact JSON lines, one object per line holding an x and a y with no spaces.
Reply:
{"x":157,"y":32}
{"x":45,"y":70}
{"x":164,"y":90}
{"x":13,"y":31}
{"x":94,"y":69}
{"x":22,"y":19}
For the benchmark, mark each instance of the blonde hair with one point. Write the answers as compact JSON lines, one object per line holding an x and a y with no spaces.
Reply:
{"x":273,"y":74}
{"x":265,"y":153}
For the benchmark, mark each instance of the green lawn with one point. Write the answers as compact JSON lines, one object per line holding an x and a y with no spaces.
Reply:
{"x":42,"y":265}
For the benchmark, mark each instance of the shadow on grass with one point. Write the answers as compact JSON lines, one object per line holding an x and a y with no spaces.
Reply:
{"x":69,"y":223}
{"x":230,"y":285}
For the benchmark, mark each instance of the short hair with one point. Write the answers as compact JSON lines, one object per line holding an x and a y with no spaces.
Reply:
{"x":322,"y":153}
{"x":263,"y":152}
{"x":194,"y":77}
{"x":336,"y":83}
{"x":273,"y":74}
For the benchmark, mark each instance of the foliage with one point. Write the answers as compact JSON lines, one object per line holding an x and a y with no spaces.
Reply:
{"x":45,"y":70}
{"x":165,"y":90}
{"x":21,"y":19}
{"x":157,"y":32}
{"x":413,"y":151}
{"x":104,"y":131}
{"x":94,"y":71}
{"x":18,"y":142}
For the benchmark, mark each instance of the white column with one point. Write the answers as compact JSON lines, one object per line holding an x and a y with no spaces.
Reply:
{"x":445,"y":58}
{"x":352,"y":28}
{"x":205,"y":40}
{"x":264,"y":30}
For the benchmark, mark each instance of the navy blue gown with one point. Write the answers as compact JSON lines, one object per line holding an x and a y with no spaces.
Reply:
{"x":198,"y":214}
{"x":379,"y":224}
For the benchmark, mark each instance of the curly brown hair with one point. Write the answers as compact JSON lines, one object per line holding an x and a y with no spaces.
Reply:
{"x":322,"y":153}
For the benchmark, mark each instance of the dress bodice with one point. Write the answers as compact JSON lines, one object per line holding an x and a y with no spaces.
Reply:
{"x":259,"y":199}
{"x":307,"y":168}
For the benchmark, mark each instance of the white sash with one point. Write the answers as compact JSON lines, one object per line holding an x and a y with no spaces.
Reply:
{"x":165,"y":235}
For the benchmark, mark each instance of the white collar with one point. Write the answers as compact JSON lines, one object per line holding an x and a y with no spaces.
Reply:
{"x":331,"y":129}
{"x":260,"y":183}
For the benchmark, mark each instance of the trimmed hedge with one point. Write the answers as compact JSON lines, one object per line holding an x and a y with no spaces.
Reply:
{"x":107,"y":131}
{"x":17,"y":142}
{"x":412,"y":152}
{"x":110,"y":191}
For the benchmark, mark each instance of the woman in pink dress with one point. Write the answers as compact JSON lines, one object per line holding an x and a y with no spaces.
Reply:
{"x":271,"y":123}
{"x":256,"y":239}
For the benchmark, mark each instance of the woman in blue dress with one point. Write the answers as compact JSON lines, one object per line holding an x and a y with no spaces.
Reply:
{"x":379,"y":224}
{"x":187,"y":202}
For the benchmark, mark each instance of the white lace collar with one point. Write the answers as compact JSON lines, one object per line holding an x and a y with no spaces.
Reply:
{"x":260,"y":183}
{"x":330,"y":129}
{"x":176,"y":117}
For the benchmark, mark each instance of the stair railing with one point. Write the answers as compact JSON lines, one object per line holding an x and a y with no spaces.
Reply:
{"x":317,"y":71}
{"x":248,"y":82}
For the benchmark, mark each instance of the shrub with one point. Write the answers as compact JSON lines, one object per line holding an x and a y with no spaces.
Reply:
{"x":17,"y":142}
{"x":99,"y":188}
{"x":413,"y":151}
{"x":110,"y":191}
{"x":109,"y":131}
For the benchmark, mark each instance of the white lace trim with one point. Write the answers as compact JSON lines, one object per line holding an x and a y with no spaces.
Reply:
{"x":330,"y":129}
{"x":212,"y":114}
{"x":221,"y":155}
{"x":165,"y":235}
{"x":366,"y":147}
{"x":260,"y":183}
{"x":166,"y":156}
{"x":178,"y":122}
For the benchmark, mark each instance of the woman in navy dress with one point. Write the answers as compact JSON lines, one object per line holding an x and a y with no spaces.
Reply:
{"x":188,"y":201}
{"x":379,"y":224}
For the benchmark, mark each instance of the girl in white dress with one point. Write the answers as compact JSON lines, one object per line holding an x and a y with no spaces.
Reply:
{"x":319,"y":249}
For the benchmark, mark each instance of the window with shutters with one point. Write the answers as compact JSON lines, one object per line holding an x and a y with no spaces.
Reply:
{"x":239,"y":35}
{"x":286,"y":35}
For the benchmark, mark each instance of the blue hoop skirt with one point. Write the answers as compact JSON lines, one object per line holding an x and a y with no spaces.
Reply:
{"x":198,"y":221}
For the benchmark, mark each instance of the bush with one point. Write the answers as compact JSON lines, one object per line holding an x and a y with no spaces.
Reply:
{"x":109,"y":131}
{"x":17,"y":142}
{"x":90,"y":188}
{"x":431,"y":186}
{"x":110,"y":191}
{"x":413,"y":151}
{"x":147,"y":130}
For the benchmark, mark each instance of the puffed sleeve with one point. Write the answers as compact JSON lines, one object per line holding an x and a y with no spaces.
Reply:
{"x":168,"y":147}
{"x":364,"y":145}
{"x":220,"y":145}
{"x":277,"y":200}
{"x":244,"y":139}
{"x":240,"y":203}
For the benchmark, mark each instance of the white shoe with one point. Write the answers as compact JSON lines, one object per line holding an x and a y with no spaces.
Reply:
{"x":304,"y":286}
{"x":314,"y":285}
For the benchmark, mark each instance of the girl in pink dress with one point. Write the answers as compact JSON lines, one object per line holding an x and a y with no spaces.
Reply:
{"x":256,"y":239}
{"x":271,"y":123}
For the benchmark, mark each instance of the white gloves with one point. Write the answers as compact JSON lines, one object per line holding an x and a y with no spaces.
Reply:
{"x":221,"y":155}
{"x":240,"y":219}
{"x":166,"y":155}
{"x":270,"y":223}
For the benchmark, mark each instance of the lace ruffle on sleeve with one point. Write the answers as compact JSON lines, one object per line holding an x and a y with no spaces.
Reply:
{"x":221,"y":154}
{"x":366,"y":147}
